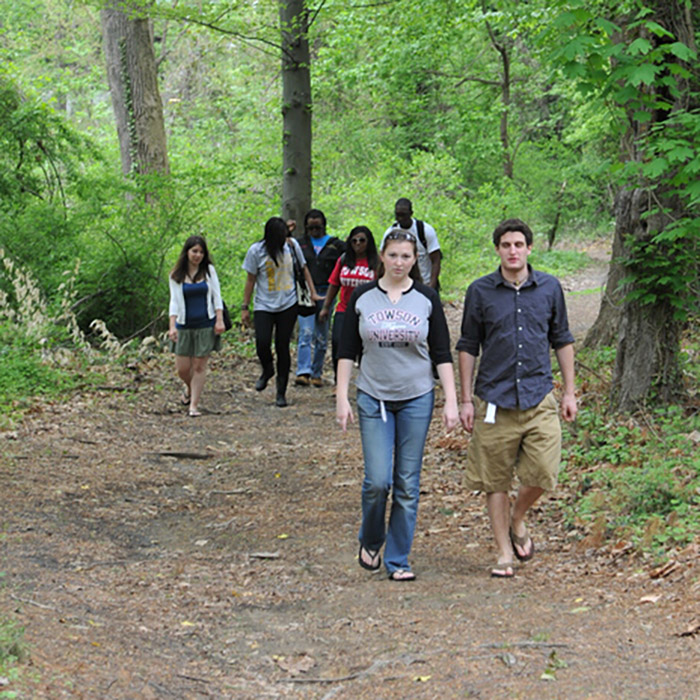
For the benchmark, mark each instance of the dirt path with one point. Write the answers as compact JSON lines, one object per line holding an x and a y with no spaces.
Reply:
{"x":149,"y":555}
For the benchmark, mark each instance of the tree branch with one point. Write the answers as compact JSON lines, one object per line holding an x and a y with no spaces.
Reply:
{"x":315,"y":14}
{"x":483,"y":81}
{"x":242,"y":37}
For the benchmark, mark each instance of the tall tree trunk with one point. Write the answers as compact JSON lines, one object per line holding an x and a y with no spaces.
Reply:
{"x":133,"y":83}
{"x":648,"y":333}
{"x":606,"y":327}
{"x":642,"y":313}
{"x":503,"y":49}
{"x":296,"y":109}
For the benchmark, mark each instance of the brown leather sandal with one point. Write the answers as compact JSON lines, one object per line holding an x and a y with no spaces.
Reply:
{"x":521,"y":542}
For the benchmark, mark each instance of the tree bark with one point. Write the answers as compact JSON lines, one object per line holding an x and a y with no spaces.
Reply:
{"x":503,"y":49}
{"x":133,"y":84}
{"x":296,"y":109}
{"x":648,"y":335}
{"x":647,"y":327}
{"x":605,"y":330}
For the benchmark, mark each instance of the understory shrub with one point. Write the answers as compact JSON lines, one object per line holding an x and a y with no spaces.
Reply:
{"x":639,"y":475}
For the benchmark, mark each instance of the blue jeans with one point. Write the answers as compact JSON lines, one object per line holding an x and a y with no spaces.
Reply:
{"x":312,"y":332}
{"x":393,"y":454}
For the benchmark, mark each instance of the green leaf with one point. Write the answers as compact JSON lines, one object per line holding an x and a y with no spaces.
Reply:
{"x":680,"y":50}
{"x":625,"y":95}
{"x":680,"y":153}
{"x":608,"y":27}
{"x":679,"y":70}
{"x":655,"y":168}
{"x":693,"y":192}
{"x":656,"y":28}
{"x":693,"y":167}
{"x":564,"y":20}
{"x":643,"y":74}
{"x":574,"y":69}
{"x":642,"y":117}
{"x":639,"y":46}
{"x":575,"y":47}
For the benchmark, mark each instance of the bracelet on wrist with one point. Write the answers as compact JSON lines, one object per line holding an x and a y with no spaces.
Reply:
{"x":244,"y":307}
{"x":467,"y":401}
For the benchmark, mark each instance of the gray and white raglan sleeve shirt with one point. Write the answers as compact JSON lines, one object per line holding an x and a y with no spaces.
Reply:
{"x":397,"y":341}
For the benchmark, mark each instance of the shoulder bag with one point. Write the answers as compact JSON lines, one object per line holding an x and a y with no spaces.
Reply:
{"x":306,"y":305}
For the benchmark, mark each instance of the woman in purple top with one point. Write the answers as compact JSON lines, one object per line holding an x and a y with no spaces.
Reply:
{"x":196,"y":318}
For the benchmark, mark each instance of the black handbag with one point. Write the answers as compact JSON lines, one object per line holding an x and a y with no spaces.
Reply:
{"x":227,"y":318}
{"x":306,"y":305}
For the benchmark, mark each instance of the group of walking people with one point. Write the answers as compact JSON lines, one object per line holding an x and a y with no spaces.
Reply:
{"x":390,"y":320}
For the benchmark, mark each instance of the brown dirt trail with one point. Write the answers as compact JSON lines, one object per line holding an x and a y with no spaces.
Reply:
{"x":149,"y":555}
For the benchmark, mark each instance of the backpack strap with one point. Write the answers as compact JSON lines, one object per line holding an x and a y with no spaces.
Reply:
{"x":421,"y":233}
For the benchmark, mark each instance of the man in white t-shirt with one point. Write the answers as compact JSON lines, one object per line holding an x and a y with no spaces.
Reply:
{"x":429,"y":254}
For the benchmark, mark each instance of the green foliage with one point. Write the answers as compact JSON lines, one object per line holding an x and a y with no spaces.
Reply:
{"x":25,"y":374}
{"x":640,"y":475}
{"x":649,"y":80}
{"x":39,"y":151}
{"x":40,"y":165}
{"x":12,"y":647}
{"x":665,"y":268}
{"x":12,"y":651}
{"x":393,"y":116}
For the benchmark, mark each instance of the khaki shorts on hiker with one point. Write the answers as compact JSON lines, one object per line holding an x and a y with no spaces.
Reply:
{"x":527,"y":443}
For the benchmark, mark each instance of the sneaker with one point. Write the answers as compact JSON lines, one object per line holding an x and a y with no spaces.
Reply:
{"x":302,"y":380}
{"x":317,"y":381}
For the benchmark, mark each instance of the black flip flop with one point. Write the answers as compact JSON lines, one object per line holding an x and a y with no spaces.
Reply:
{"x":376,"y":558}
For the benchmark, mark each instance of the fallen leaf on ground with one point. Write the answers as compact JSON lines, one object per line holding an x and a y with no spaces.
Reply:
{"x":662,"y":571}
{"x":294,"y":665}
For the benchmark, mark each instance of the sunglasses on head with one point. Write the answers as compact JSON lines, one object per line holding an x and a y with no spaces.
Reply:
{"x":400,"y":236}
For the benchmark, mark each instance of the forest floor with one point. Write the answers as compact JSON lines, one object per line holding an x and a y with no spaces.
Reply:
{"x":151,"y":555}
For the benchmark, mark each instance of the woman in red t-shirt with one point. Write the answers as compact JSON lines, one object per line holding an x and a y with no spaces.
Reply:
{"x":357,"y":265}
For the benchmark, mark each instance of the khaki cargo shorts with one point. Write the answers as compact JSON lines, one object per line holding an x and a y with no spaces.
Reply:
{"x":526,"y":443}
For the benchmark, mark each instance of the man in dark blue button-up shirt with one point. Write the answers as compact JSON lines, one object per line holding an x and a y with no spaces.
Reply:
{"x":513,"y":317}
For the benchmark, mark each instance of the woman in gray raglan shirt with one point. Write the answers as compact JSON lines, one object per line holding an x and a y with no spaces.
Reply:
{"x":398,"y":327}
